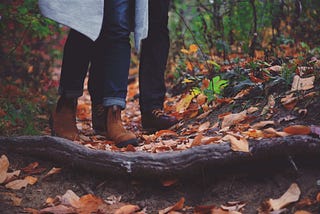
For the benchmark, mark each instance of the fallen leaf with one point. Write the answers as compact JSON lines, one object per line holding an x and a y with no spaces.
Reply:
{"x":21,"y":183}
{"x":89,"y":204}
{"x":127,"y":209}
{"x":197,"y":140}
{"x":16,"y":201}
{"x":299,"y":83}
{"x":204,"y":126}
{"x":178,"y":206}
{"x":184,"y":103}
{"x":302,"y":212}
{"x":12,"y":175}
{"x":289,"y":101}
{"x":4,"y":166}
{"x":291,"y":195}
{"x":233,"y":206}
{"x":70,"y":199}
{"x":315,"y":130}
{"x":204,"y":209}
{"x":162,"y":133}
{"x":201,"y":99}
{"x":31,"y":211}
{"x":233,"y":119}
{"x":168,"y":183}
{"x":262,"y":124}
{"x":60,"y":209}
{"x":53,"y":171}
{"x":297,"y":130}
{"x":275,"y":68}
{"x":238,"y":145}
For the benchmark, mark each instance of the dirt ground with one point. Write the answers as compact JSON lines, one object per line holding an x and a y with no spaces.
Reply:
{"x":252,"y":185}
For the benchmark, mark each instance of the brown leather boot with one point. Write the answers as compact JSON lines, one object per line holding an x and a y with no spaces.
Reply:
{"x":115,"y":130}
{"x":98,"y":115}
{"x":63,"y":119}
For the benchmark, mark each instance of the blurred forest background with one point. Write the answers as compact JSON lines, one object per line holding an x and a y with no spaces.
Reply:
{"x":224,"y":31}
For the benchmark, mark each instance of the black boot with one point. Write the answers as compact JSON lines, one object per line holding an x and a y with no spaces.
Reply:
{"x":157,"y":120}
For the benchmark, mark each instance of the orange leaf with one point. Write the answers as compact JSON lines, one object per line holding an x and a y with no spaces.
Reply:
{"x":127,"y":209}
{"x":178,"y":206}
{"x":168,"y":183}
{"x":189,"y":66}
{"x":193,"y":48}
{"x":297,"y":130}
{"x":165,"y":133}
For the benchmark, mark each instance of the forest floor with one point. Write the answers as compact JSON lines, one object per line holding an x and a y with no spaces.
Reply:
{"x":246,"y":190}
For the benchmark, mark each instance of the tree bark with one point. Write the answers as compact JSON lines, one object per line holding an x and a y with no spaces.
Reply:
{"x":143,"y":164}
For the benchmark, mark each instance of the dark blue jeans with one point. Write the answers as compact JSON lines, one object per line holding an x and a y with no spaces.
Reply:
{"x":109,"y":57}
{"x":153,"y":58}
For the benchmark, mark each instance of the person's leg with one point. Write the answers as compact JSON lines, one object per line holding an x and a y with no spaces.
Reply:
{"x":111,"y":62}
{"x":153,"y":61}
{"x":75,"y":63}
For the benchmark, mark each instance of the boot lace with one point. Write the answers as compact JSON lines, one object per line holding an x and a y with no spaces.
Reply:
{"x":158,"y":113}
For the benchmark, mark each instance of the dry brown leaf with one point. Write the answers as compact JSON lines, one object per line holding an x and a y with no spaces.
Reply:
{"x":4,"y":166}
{"x":289,"y":101}
{"x":302,"y":212}
{"x":262,"y":124}
{"x":31,"y":211}
{"x":60,"y":209}
{"x":12,"y":175}
{"x":178,"y":206}
{"x":297,"y":130}
{"x":197,"y":140}
{"x":89,"y":204}
{"x":233,"y":206}
{"x":204,"y":126}
{"x":299,"y":83}
{"x":201,"y":99}
{"x":31,"y":180}
{"x":318,"y":197}
{"x":241,"y":145}
{"x":275,"y":68}
{"x":30,"y":167}
{"x":53,"y":171}
{"x":233,"y":119}
{"x":291,"y":195}
{"x":271,"y":132}
{"x":70,"y":199}
{"x":127,"y":209}
{"x":21,"y":183}
{"x":16,"y":201}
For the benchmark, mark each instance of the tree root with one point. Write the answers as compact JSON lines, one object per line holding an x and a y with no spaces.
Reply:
{"x":142,"y":164}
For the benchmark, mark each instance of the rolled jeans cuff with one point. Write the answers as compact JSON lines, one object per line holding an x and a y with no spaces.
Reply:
{"x":111,"y":101}
{"x":70,"y":93}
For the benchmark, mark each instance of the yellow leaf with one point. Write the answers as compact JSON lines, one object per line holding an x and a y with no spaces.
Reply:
{"x":184,"y":103}
{"x":186,"y":80}
{"x":185,"y":51}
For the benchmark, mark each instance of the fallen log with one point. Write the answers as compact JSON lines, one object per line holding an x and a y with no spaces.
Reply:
{"x":144,"y":164}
